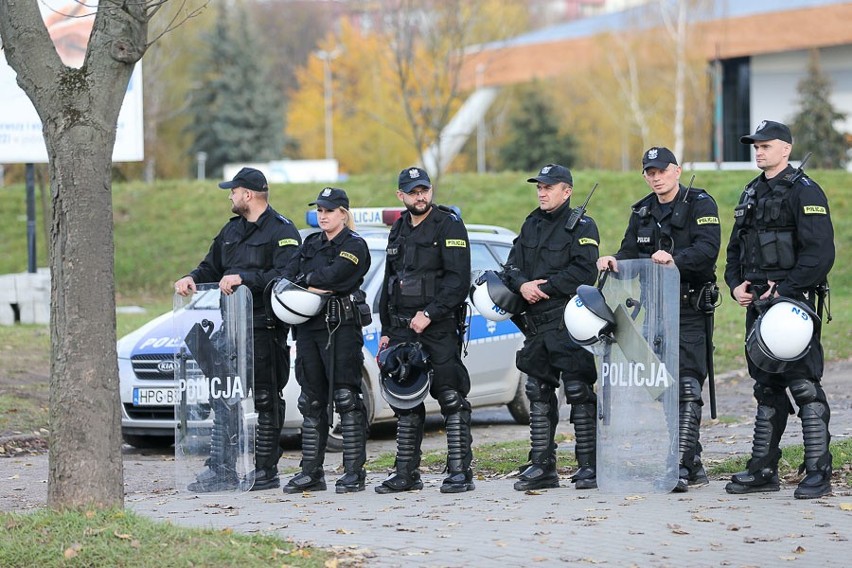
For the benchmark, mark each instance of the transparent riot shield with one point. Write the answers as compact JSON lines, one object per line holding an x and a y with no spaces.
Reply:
{"x":637,"y":446}
{"x":214,"y":388}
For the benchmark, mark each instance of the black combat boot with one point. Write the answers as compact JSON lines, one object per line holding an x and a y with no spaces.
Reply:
{"x":353,"y":423}
{"x":540,"y":473}
{"x":585,"y":439}
{"x":697,"y":476}
{"x":221,"y":472}
{"x":817,"y":464}
{"x":406,"y":477}
{"x":267,"y":452}
{"x":689,"y":424}
{"x":761,"y":475}
{"x":312,"y":476}
{"x":459,"y":454}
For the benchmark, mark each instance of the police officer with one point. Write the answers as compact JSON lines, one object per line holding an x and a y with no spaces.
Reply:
{"x":547,"y":263}
{"x":678,"y":225}
{"x":329,"y":345}
{"x":427,"y":277}
{"x":782,"y":244}
{"x":248,"y":251}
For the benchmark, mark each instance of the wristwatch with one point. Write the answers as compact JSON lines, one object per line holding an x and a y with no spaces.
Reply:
{"x":425,"y":313}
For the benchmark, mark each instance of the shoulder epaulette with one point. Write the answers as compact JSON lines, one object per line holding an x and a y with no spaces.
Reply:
{"x":452,"y":213}
{"x":644,"y":201}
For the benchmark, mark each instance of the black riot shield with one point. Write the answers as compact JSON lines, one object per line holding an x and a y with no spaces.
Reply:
{"x":214,"y":378}
{"x":637,"y":446}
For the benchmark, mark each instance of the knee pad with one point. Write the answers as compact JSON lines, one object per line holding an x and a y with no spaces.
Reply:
{"x":310,"y":408}
{"x":263,"y":400}
{"x":690,"y":390}
{"x":805,"y":392}
{"x":451,"y":401}
{"x":537,"y":390}
{"x":346,"y":400}
{"x":578,"y":392}
{"x":772,"y":397}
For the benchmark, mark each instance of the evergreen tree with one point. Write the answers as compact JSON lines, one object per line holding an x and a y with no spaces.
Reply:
{"x":237,"y":113}
{"x":813,"y":126}
{"x":534,"y":138}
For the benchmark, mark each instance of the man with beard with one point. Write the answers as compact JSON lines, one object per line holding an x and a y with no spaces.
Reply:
{"x":427,"y":277}
{"x":250,"y":250}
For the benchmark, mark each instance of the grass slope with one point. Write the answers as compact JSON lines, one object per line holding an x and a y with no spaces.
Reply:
{"x":163,"y":230}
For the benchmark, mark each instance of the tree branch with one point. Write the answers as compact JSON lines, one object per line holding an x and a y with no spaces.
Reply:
{"x":28,"y":47}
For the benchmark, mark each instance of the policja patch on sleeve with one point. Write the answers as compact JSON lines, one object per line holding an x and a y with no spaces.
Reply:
{"x":349,"y":256}
{"x":707,"y":220}
{"x":814,"y":210}
{"x":288,"y":243}
{"x":455,"y":243}
{"x":588,"y":241}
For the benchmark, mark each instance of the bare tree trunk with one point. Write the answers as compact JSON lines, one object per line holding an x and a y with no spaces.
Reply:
{"x":85,"y":422}
{"x":79,"y":112}
{"x":631,"y":88}
{"x":428,"y":92}
{"x":677,"y":31}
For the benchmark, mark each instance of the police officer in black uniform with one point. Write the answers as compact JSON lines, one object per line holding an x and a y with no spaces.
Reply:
{"x":427,"y":277}
{"x":782,"y":244}
{"x":547,"y":263}
{"x":329,"y":345}
{"x":678,"y":225}
{"x":249,"y":250}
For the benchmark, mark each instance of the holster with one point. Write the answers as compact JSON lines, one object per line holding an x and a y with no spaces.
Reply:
{"x":535,"y":323}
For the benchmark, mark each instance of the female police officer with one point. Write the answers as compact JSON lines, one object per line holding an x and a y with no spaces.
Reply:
{"x":334,"y":262}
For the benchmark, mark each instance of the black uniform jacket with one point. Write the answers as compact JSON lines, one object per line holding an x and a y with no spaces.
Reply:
{"x":337,"y":265}
{"x":427,"y":267}
{"x":813,"y":235}
{"x":545,"y":249}
{"x":693,"y":239}
{"x":256,"y":251}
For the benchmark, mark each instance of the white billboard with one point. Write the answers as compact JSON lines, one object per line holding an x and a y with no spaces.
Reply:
{"x":69,"y":23}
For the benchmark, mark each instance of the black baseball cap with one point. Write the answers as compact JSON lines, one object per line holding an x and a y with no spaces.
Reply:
{"x":553,"y":173}
{"x":658,"y":157}
{"x":768,"y":130}
{"x":248,"y":178}
{"x":332,"y":198}
{"x":413,"y":177}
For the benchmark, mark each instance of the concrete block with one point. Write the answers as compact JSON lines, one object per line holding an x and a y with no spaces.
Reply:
{"x":31,"y":294}
{"x":7,"y":314}
{"x":8,"y":289}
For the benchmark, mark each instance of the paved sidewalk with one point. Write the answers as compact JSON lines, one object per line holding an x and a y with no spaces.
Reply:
{"x":495,"y":524}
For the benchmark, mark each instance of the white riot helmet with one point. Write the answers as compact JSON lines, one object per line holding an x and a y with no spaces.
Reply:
{"x":493,"y":299}
{"x":781,"y":334}
{"x":293,"y":304}
{"x":588,"y":319}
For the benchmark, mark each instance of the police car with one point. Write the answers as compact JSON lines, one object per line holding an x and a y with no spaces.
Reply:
{"x":146,"y":356}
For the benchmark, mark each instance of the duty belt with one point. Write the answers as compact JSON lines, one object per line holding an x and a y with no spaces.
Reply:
{"x":397,"y":321}
{"x":533,"y":322}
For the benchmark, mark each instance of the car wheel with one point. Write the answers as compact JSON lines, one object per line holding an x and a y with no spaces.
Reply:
{"x":519,"y":407}
{"x":148,"y":442}
{"x":335,"y":435}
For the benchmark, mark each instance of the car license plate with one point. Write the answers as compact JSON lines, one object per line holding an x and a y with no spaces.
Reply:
{"x":154,"y":396}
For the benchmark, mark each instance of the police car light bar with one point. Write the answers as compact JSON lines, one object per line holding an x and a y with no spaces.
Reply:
{"x":364,"y":216}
